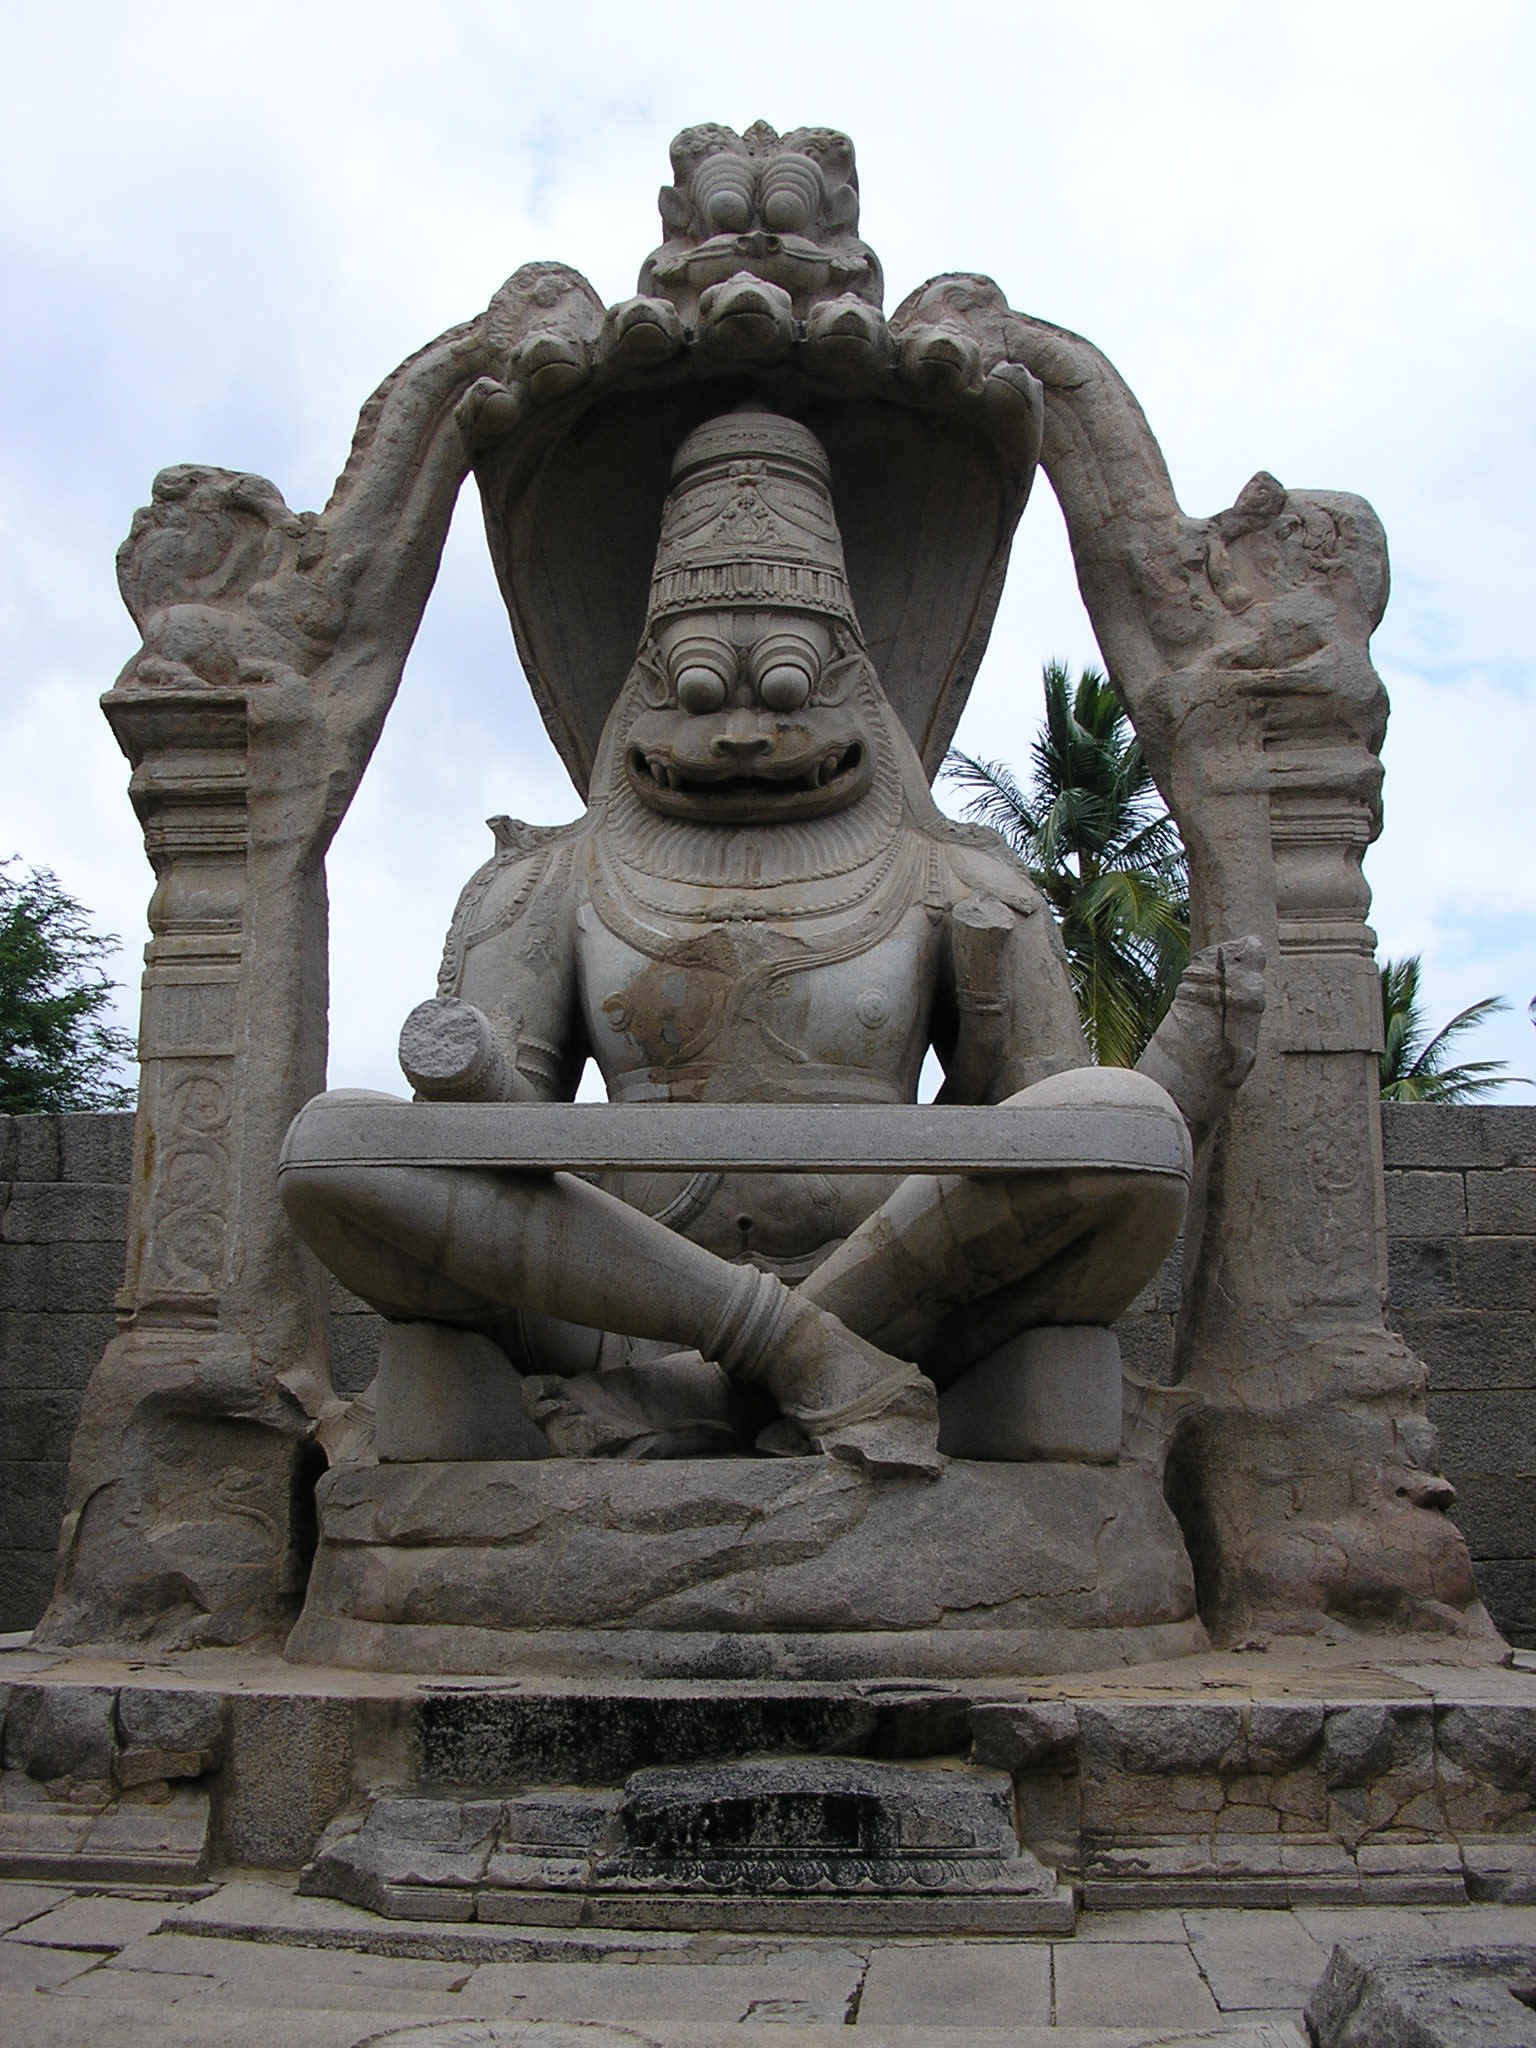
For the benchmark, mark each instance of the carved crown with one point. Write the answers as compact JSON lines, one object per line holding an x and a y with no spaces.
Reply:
{"x":749,"y":520}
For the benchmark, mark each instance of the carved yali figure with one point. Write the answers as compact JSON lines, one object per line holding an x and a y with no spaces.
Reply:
{"x":761,"y":905}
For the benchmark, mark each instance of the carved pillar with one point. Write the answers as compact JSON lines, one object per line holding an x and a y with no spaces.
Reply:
{"x":185,"y":1512}
{"x":1308,"y":1479}
{"x":189,"y":790}
{"x":1323,"y":814}
{"x":273,"y":645}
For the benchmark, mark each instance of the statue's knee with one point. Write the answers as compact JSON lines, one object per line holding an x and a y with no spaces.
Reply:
{"x":314,"y":1199}
{"x":1099,"y":1088}
{"x":313,"y":1188}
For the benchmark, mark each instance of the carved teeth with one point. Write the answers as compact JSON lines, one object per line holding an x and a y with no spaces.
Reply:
{"x":829,"y":767}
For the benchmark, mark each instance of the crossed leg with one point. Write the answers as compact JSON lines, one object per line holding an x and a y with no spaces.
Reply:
{"x":463,"y":1246}
{"x":949,"y":1268}
{"x":943,"y":1272}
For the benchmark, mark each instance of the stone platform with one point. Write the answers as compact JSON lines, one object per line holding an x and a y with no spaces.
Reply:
{"x":744,"y":1568}
{"x":1296,"y":1775}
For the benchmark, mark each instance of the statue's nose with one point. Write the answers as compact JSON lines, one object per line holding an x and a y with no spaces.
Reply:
{"x":739,"y":739}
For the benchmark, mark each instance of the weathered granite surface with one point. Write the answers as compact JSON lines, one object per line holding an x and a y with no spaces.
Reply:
{"x":1390,"y":1991}
{"x":744,"y":1567}
{"x":273,"y":643}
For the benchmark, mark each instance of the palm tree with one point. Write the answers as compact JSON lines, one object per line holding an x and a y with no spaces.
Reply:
{"x":1413,"y":1065}
{"x":1103,"y":851}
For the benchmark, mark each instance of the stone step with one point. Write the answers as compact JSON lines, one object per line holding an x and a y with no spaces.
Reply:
{"x":96,"y":1836}
{"x":1232,"y":1780}
{"x":828,"y":1845}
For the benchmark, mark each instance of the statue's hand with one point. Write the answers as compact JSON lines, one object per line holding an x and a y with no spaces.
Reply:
{"x":1226,"y":984}
{"x":449,"y":1053}
{"x":1203,"y":1049}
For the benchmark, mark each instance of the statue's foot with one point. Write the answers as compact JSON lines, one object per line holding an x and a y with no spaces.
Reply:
{"x":674,"y":1406}
{"x":894,"y":1430}
{"x":853,"y":1402}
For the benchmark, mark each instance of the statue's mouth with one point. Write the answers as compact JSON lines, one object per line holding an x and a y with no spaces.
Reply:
{"x":732,"y":791}
{"x":794,"y":261}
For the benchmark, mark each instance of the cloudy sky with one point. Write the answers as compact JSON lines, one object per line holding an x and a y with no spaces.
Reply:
{"x":1303,"y":235}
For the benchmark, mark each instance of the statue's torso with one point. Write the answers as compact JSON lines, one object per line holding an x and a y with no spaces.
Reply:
{"x":726,"y":995}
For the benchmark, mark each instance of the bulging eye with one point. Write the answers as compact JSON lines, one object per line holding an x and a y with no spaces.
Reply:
{"x":703,"y":669}
{"x":722,"y":189}
{"x":784,"y":671}
{"x":792,"y":194}
{"x":700,"y":690}
{"x":729,"y":212}
{"x":785,"y":686}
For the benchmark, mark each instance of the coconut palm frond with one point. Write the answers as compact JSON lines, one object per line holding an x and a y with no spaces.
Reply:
{"x":993,"y":798}
{"x":1412,"y":1062}
{"x":1103,"y":851}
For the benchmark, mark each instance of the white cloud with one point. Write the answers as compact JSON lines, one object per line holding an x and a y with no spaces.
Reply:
{"x":1300,"y":233}
{"x":1452,"y":875}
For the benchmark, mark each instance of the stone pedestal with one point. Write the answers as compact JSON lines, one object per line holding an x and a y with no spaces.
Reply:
{"x":820,"y":1845}
{"x":744,"y":1568}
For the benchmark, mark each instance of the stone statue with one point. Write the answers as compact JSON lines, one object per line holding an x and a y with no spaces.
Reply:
{"x":761,"y":905}
{"x":760,"y":917}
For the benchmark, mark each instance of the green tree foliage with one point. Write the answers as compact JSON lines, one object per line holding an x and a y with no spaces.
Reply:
{"x":1104,"y":853}
{"x":56,"y":1053}
{"x":1413,"y":1064}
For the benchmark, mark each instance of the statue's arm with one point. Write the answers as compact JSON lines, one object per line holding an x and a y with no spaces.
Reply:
{"x":1007,"y":996}
{"x":1204,"y":1047}
{"x":505,"y":1024}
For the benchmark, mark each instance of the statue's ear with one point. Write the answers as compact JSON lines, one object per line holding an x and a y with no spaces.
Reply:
{"x":842,"y":205}
{"x":651,"y":675}
{"x":848,"y":662}
{"x":675,"y":212}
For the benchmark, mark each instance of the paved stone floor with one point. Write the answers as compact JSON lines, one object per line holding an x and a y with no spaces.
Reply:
{"x":248,"y":1962}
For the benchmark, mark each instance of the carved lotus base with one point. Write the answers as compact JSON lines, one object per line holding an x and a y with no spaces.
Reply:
{"x":744,"y":1568}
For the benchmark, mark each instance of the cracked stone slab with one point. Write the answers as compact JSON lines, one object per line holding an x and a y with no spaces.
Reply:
{"x":1271,"y":1870}
{"x":20,"y":1903}
{"x":260,"y":1911}
{"x":1387,"y":1992}
{"x":1159,"y":1982}
{"x":55,"y":2024}
{"x":91,"y":1835}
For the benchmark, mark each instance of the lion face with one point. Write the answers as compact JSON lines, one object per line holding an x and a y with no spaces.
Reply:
{"x":749,"y":719}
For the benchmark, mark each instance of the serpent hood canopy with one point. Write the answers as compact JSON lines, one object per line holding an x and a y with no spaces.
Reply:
{"x":931,"y":442}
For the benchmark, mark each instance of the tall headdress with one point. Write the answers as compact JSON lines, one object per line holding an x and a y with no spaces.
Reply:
{"x":749,"y":521}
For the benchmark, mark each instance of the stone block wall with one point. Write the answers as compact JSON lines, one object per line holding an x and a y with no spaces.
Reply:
{"x":1461,"y":1213}
{"x":63,"y":1217}
{"x":1461,"y":1222}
